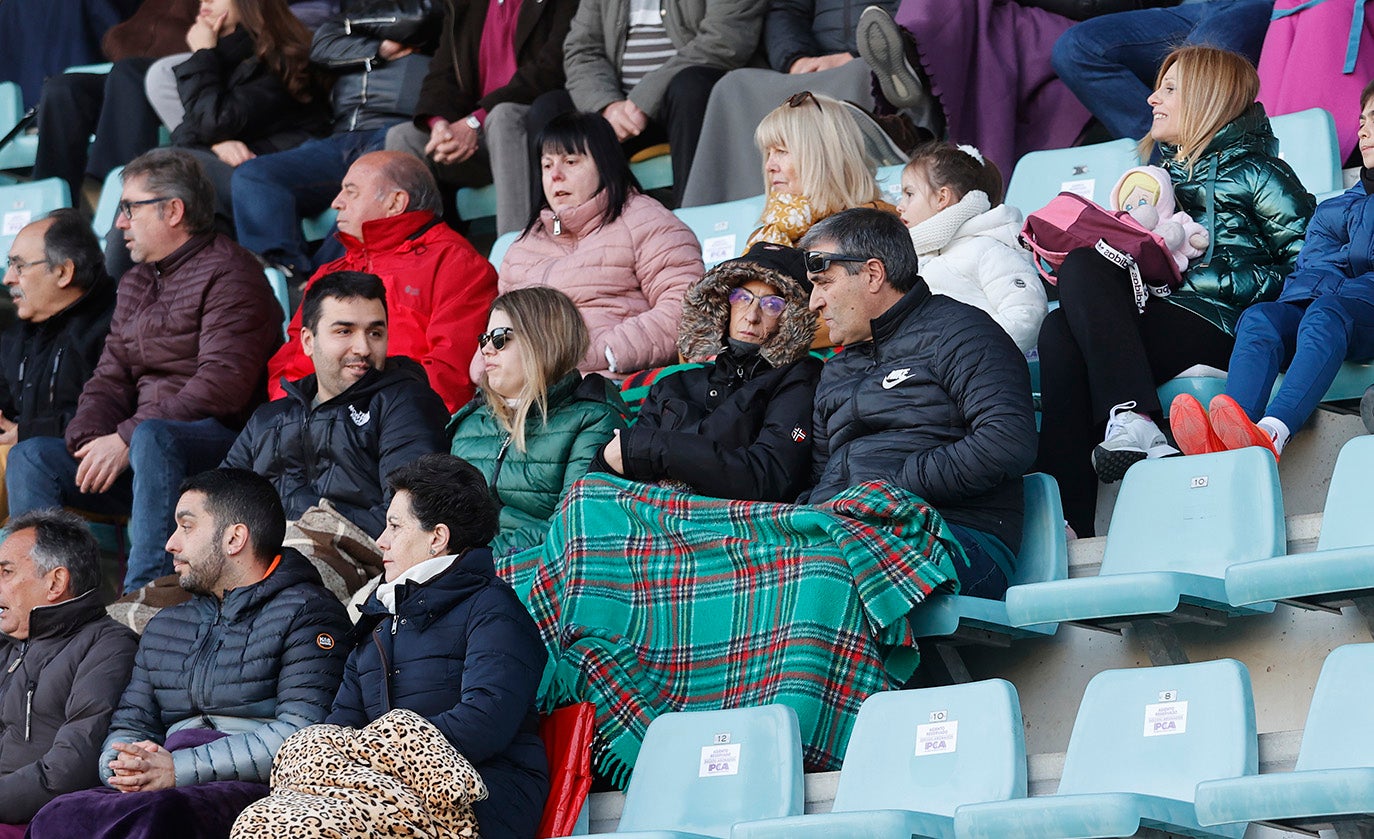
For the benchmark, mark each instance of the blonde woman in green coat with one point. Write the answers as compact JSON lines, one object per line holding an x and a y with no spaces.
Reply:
{"x":536,"y":423}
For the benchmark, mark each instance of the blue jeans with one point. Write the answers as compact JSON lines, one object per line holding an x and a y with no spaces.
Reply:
{"x":1110,"y":62}
{"x":982,"y":577}
{"x":1311,"y":338}
{"x":274,"y":192}
{"x":41,"y":473}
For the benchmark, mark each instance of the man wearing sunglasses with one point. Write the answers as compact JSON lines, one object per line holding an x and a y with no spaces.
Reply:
{"x":929,"y":394}
{"x":182,"y":368}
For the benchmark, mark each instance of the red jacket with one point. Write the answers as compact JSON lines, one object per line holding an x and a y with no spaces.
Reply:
{"x":188,"y":340}
{"x":438,"y":291}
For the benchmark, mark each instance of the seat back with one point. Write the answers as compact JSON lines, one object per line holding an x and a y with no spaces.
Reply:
{"x":24,"y":203}
{"x":317,"y":228}
{"x":1197,"y":514}
{"x":1307,"y":142}
{"x":1346,"y":522}
{"x":890,"y":182}
{"x":1340,"y":723}
{"x":934,"y":749}
{"x":1044,"y":553}
{"x":723,"y":228}
{"x":1161,"y":730}
{"x":108,"y":205}
{"x":1090,"y":171}
{"x":703,"y":771}
{"x":500,"y":246}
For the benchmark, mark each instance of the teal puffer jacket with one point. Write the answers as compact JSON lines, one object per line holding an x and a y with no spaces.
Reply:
{"x":1255,"y":210}
{"x":583,"y":414}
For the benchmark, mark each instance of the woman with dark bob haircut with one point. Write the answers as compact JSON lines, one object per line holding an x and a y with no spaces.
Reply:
{"x":624,"y":259}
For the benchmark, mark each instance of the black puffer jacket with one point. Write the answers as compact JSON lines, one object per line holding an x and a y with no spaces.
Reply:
{"x":229,"y":94}
{"x":58,"y":689}
{"x":740,"y":428}
{"x":259,"y":665}
{"x":343,"y":449}
{"x":47,"y":364}
{"x":461,"y":651}
{"x":369,"y":92}
{"x":939,"y":402}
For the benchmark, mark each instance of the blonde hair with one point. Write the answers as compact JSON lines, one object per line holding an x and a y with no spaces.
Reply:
{"x":1214,"y":87}
{"x":553,"y":340}
{"x":1133,"y":180}
{"x":827,"y":152}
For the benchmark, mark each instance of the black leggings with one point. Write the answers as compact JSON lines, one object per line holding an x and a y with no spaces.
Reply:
{"x":1097,"y":351}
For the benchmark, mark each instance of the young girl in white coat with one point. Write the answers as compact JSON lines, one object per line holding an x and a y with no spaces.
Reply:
{"x":966,"y":238}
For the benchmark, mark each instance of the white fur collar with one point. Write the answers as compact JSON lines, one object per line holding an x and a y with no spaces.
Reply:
{"x":935,"y":232}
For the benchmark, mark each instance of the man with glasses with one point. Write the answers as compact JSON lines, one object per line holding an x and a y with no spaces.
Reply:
{"x":55,"y":275}
{"x":181,"y":370}
{"x":929,"y":394}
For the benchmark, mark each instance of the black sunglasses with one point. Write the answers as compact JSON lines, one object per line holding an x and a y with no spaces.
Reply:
{"x":796,"y":100}
{"x":498,"y":338}
{"x":818,"y":261}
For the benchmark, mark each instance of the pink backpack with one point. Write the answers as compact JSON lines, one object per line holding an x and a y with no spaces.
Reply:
{"x":1071,"y":221}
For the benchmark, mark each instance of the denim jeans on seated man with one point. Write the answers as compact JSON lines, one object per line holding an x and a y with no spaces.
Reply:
{"x":42,"y":473}
{"x":1110,"y":62}
{"x":274,"y":192}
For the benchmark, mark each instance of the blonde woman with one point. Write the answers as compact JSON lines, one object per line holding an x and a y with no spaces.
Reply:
{"x":535,"y":424}
{"x":1102,"y":354}
{"x":814,"y":165}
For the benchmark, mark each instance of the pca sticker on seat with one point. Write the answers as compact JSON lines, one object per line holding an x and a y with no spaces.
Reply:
{"x":1166,"y":718}
{"x":719,"y":760}
{"x":937,"y":737}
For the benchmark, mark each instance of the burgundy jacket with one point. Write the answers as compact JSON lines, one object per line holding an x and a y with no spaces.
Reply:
{"x":189,"y":340}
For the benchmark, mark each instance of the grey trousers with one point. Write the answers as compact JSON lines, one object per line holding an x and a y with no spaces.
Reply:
{"x":502,"y":158}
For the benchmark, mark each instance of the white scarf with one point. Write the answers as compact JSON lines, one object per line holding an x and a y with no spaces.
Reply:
{"x":420,"y":573}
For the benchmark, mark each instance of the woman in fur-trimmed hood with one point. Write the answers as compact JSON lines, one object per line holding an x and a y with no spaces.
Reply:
{"x":741,"y":426}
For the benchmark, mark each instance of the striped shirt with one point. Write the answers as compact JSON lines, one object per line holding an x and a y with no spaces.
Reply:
{"x":647,"y":47}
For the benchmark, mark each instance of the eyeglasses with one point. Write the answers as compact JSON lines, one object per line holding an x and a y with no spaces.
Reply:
{"x":819,"y":261}
{"x":126,"y":207}
{"x":796,"y":100}
{"x":770,"y":304}
{"x":19,"y":266}
{"x":498,"y":338}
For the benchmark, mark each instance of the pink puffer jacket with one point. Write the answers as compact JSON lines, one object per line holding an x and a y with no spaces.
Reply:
{"x":627,"y":277}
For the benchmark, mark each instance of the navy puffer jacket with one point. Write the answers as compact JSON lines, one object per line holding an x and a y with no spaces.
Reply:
{"x":462,"y":652}
{"x":259,"y":665}
{"x":1338,"y":257}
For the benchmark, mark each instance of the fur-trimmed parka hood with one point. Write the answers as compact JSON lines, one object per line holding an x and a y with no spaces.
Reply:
{"x":706,"y":313}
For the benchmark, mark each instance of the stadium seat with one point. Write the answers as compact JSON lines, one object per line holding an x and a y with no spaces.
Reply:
{"x":1333,"y":782}
{"x":1342,"y":566}
{"x":890,"y":182}
{"x":1090,"y":171}
{"x":723,"y":228}
{"x":1044,"y":556}
{"x":277,"y":280}
{"x":1177,"y":525}
{"x":913,"y":757}
{"x":20,"y":152}
{"x":1143,"y":740}
{"x":500,"y":246}
{"x":24,"y":203}
{"x":1307,"y":141}
{"x":700,"y":772}
{"x":1203,"y":388}
{"x":317,"y":228}
{"x":108,"y":205}
{"x":1352,"y":377}
{"x":652,"y":167}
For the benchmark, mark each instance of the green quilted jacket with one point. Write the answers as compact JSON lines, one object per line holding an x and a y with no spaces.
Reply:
{"x":583,"y":413}
{"x":1255,"y":210}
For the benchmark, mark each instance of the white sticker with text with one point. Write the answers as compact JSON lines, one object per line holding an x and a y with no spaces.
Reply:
{"x":718,"y":248}
{"x":15,"y":221}
{"x":719,"y":760}
{"x":1084,"y":187}
{"x":937,"y":738}
{"x":1166,"y":718}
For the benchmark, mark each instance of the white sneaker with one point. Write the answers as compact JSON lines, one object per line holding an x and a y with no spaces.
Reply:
{"x":1131,"y":438}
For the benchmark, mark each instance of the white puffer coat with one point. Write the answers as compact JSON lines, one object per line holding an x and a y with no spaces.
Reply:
{"x":970,"y":252}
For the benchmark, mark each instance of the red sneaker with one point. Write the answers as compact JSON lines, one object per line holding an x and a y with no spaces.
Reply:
{"x":1193,"y":432}
{"x":1234,"y":427}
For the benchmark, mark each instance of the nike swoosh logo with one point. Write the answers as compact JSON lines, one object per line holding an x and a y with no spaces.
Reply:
{"x":895,"y":378}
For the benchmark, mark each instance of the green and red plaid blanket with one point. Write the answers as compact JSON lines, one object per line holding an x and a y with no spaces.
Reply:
{"x":651,"y":600}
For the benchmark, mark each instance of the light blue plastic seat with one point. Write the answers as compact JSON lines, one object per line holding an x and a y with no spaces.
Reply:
{"x":723,"y":228}
{"x":277,"y":280}
{"x":21,"y":204}
{"x":1091,"y":171}
{"x":1143,"y":740}
{"x":1179,"y":523}
{"x":108,"y":205}
{"x":890,"y":182}
{"x":700,"y":772}
{"x":1334,"y":779}
{"x":1307,"y":142}
{"x":913,"y":757}
{"x":1044,"y":556}
{"x":1342,"y":566}
{"x":500,"y":246}
{"x":317,"y":228}
{"x":474,"y":202}
{"x":1352,"y":377}
{"x":20,"y":152}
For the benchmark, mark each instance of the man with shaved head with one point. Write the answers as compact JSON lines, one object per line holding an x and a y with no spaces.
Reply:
{"x":438,"y":288}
